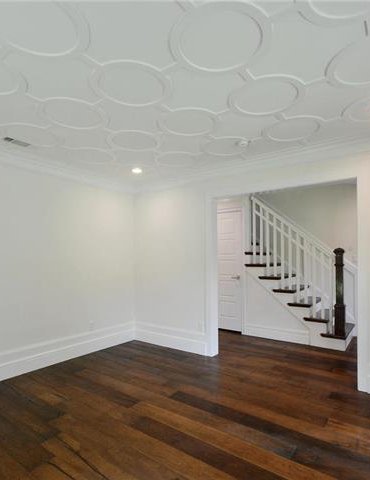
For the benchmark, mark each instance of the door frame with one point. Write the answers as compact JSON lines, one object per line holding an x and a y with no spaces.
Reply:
{"x":312,"y":175}
{"x":240,"y":209}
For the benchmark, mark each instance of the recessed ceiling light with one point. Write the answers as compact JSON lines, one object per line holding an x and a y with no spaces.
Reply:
{"x":136,"y":170}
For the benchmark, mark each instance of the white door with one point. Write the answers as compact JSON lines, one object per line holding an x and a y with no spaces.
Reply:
{"x":230,"y":258}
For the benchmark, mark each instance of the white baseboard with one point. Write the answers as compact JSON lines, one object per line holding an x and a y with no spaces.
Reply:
{"x":187,"y":341}
{"x":285,"y":335}
{"x":19,"y":361}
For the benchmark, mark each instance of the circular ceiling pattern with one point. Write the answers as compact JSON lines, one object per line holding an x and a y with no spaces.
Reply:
{"x":61,"y":31}
{"x":133,"y":140}
{"x":220,"y":36}
{"x":177,"y":159}
{"x":68,"y":112}
{"x":225,"y":146}
{"x":36,"y":136}
{"x":358,"y":111}
{"x":195,"y":113}
{"x":130,"y":83}
{"x":293,"y":129}
{"x":351,"y":66}
{"x":188,"y":121}
{"x":332,"y":12}
{"x":266,"y":96}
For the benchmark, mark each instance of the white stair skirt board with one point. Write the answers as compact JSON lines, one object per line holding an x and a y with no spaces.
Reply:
{"x":266,"y":317}
{"x":187,"y":341}
{"x":23,"y":360}
{"x":277,"y":320}
{"x":285,"y":335}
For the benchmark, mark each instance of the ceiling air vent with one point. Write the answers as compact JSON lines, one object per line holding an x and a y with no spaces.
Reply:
{"x":14,"y":141}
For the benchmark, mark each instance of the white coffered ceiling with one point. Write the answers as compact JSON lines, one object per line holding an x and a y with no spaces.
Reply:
{"x":181,"y":89}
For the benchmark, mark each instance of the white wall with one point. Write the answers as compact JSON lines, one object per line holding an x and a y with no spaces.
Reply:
{"x":170,"y":269}
{"x":176,"y":250}
{"x":66,"y":275}
{"x":327,"y":211}
{"x":60,"y":267}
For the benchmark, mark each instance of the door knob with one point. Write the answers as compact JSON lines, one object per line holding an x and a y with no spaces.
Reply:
{"x":236,"y":277}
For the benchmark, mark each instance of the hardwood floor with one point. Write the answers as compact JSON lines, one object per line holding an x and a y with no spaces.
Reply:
{"x":260,"y":410}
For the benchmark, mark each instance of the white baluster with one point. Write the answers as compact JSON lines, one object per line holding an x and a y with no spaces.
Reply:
{"x":254,"y":233}
{"x":267,"y":230}
{"x":290,"y":259}
{"x":274,"y":246}
{"x":261,"y":235}
{"x":305,"y":270}
{"x":313,"y":288}
{"x":298,"y":267}
{"x":282,"y":254}
{"x":322,"y":286}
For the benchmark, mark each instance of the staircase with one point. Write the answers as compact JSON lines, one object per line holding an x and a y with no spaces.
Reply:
{"x":303,"y":275}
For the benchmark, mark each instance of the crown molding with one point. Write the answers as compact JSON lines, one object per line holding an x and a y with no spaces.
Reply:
{"x":297,"y":155}
{"x":35,"y":164}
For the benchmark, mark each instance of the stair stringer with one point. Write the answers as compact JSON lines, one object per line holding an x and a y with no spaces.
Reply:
{"x":266,"y":316}
{"x":309,"y":332}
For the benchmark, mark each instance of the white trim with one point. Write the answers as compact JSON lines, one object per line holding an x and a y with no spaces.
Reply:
{"x":211,"y":276}
{"x":40,"y":355}
{"x":286,"y":335}
{"x":338,"y":147}
{"x":334,"y":169}
{"x":179,"y":339}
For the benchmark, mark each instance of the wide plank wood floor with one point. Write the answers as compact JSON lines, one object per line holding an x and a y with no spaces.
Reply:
{"x":261,"y":410}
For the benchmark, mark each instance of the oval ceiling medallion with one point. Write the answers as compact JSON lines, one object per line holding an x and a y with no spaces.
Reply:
{"x":225,"y":146}
{"x":351,"y":66}
{"x":176,"y":159}
{"x":266,"y":96}
{"x":220,"y":36}
{"x":68,"y":112}
{"x":36,"y":136}
{"x":330,"y":12}
{"x":130,"y":83}
{"x":89,"y":156}
{"x":358,"y":111}
{"x":188,"y":122}
{"x":42,"y":28}
{"x":133,"y":140}
{"x":293,"y":129}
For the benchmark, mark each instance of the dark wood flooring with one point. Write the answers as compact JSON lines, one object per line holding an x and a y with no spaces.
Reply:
{"x":260,"y":410}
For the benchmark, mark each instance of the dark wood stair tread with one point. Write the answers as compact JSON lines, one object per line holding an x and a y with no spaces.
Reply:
{"x":348,"y":329}
{"x":274,"y":277}
{"x":260,"y":264}
{"x":288,"y":290}
{"x":303,"y":304}
{"x":318,"y":319}
{"x":257,"y":253}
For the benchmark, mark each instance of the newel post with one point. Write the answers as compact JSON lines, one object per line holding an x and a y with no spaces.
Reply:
{"x":339,"y":307}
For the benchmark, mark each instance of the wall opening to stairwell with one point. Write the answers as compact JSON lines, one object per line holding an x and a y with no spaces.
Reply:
{"x":276,"y":273}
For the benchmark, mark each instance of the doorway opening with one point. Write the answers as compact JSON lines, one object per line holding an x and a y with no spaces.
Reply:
{"x":287,"y":264}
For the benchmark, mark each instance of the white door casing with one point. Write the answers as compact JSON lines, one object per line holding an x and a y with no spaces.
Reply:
{"x":230,"y":268}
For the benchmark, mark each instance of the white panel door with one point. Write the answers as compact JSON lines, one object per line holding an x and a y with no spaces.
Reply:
{"x":230,"y":257}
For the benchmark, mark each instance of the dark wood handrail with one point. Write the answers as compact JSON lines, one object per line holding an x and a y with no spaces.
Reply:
{"x":339,"y":307}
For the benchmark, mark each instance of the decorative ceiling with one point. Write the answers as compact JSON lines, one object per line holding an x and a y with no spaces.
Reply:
{"x":180,"y":89}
